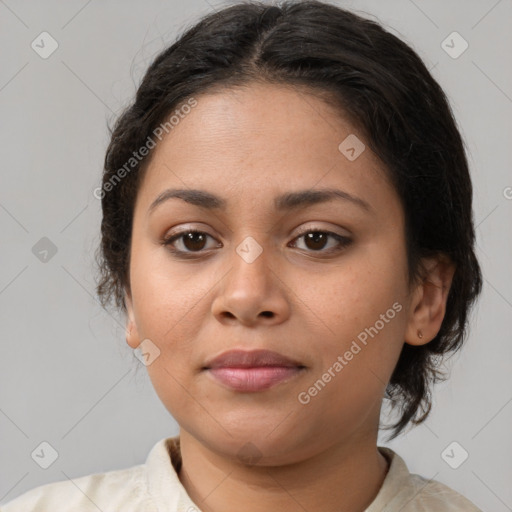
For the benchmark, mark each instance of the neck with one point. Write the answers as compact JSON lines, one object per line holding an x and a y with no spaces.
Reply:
{"x":344,"y":477}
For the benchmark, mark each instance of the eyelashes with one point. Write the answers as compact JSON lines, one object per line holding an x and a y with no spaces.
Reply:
{"x":193,"y":242}
{"x":201,"y":235}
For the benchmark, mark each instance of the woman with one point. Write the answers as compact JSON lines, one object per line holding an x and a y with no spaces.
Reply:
{"x":287,"y":226}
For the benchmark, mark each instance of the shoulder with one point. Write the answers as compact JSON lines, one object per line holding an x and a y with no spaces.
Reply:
{"x":146,"y":487}
{"x":432,"y":495}
{"x":121,"y":489}
{"x":406,"y":492}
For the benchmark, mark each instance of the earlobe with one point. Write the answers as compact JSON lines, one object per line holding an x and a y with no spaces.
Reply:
{"x":132,"y":336}
{"x":428,"y":304}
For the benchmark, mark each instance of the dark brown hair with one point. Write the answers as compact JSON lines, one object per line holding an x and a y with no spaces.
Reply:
{"x":379,"y":84}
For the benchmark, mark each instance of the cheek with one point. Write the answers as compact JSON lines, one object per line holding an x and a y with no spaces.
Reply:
{"x":168,"y":311}
{"x":362,"y":315}
{"x":354,"y":297}
{"x":172,"y":385}
{"x":357,"y":355}
{"x":168,"y":298}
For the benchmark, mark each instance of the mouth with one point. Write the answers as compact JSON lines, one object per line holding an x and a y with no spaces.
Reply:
{"x":252,"y":371}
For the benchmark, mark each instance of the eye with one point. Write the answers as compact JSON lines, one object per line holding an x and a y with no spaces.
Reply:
{"x":316,"y":240}
{"x":192,"y":240}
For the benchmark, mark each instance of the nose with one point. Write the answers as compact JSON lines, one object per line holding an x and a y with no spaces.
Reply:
{"x":252,"y":291}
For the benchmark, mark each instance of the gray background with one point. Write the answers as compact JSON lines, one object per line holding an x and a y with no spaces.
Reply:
{"x":67,"y":375}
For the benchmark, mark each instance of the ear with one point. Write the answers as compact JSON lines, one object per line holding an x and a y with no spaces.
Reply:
{"x":132,"y":333}
{"x":428,"y":303}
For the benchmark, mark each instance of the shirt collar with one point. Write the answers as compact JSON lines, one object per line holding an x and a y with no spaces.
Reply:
{"x":396,"y":480}
{"x":164,"y":486}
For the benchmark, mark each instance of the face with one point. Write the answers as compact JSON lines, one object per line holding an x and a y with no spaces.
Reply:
{"x":321,"y":281}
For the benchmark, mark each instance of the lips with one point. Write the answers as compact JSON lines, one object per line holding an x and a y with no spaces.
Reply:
{"x":252,"y":371}
{"x":250,"y":359}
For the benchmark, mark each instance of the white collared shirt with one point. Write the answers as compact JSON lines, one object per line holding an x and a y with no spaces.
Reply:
{"x":155,"y":487}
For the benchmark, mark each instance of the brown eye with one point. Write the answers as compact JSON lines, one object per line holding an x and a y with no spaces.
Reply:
{"x":194,"y":241}
{"x":189,"y":241}
{"x":316,"y":241}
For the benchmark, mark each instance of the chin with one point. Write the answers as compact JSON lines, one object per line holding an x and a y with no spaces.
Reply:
{"x":256,"y":446}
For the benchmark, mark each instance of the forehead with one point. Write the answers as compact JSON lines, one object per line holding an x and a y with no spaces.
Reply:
{"x":262,"y":139}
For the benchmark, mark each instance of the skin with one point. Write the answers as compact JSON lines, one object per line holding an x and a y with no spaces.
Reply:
{"x":249,"y":145}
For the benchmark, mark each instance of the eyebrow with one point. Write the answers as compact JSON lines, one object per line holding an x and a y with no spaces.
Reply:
{"x":285,"y":202}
